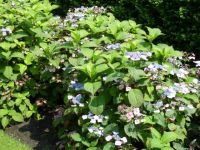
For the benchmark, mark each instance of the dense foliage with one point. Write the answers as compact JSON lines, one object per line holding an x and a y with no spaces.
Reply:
{"x":119,"y":87}
{"x":27,"y":49}
{"x":124,"y":89}
{"x":178,"y":19}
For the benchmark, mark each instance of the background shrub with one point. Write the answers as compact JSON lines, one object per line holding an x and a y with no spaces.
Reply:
{"x":178,"y":19}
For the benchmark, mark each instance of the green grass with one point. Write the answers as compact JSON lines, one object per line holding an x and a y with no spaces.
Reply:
{"x":9,"y":143}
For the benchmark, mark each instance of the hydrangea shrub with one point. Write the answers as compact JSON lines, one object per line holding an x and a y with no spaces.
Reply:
{"x":124,"y":90}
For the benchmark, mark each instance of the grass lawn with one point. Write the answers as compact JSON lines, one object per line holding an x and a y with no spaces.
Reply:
{"x":9,"y":143}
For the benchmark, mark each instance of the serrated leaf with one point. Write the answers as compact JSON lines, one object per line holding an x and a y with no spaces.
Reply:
{"x":135,"y":97}
{"x":76,"y":137}
{"x":3,"y":112}
{"x":29,"y":114}
{"x":111,"y":127}
{"x":17,"y":55}
{"x":22,"y":68}
{"x":155,"y":133}
{"x":5,"y":121}
{"x":169,"y":137}
{"x":8,"y":72}
{"x":97,"y":104}
{"x":18,"y":117}
{"x":109,"y":146}
{"x":92,"y":87}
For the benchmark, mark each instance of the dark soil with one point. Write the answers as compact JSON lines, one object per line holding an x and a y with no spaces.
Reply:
{"x":38,"y":134}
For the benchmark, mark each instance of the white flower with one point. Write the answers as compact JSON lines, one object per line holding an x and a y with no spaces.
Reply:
{"x":124,"y":139}
{"x":181,"y":73}
{"x":181,"y":108}
{"x":104,"y":78}
{"x":197,"y":63}
{"x":170,"y":92}
{"x":158,"y":104}
{"x":138,"y":55}
{"x":128,"y":88}
{"x":118,"y":143}
{"x":195,"y":81}
{"x":91,"y":129}
{"x":93,"y":121}
{"x":113,"y":46}
{"x":108,"y":138}
{"x":84,"y":117}
{"x":181,"y":87}
{"x":156,"y":111}
{"x":136,"y":111}
{"x":190,"y":106}
{"x":193,"y":90}
{"x":69,"y":96}
{"x":137,"y":121}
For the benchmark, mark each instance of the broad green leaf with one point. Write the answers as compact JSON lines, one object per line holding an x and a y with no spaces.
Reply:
{"x":17,"y":55}
{"x":18,"y":117}
{"x":87,"y":52}
{"x":155,"y":133}
{"x":76,"y":137}
{"x":109,"y":146}
{"x":97,"y":104}
{"x":92,"y":87}
{"x":8,"y":72}
{"x":111,"y":127}
{"x":3,"y":112}
{"x":7,"y":46}
{"x":28,"y":59}
{"x":92,"y":148}
{"x":135,"y":97}
{"x":18,"y":101}
{"x":153,"y":33}
{"x":154,"y":143}
{"x":169,"y":137}
{"x":22,"y":68}
{"x":131,"y":130}
{"x":137,"y":74}
{"x":101,"y":68}
{"x":5,"y":121}
{"x":29,"y":114}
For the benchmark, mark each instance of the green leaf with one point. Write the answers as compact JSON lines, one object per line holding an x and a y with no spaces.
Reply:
{"x":28,"y":59}
{"x":135,"y":97}
{"x":87,"y":52}
{"x":17,"y":55}
{"x":8,"y":72}
{"x":5,"y":121}
{"x":153,"y":33}
{"x":109,"y":146}
{"x":97,"y":104}
{"x":92,"y":148}
{"x":76,"y":137}
{"x":111,"y":127}
{"x":3,"y":112}
{"x":131,"y":130}
{"x":18,"y":117}
{"x":18,"y":101}
{"x":155,"y":133}
{"x":137,"y":74}
{"x":29,"y":114}
{"x":22,"y":68}
{"x":169,"y":137}
{"x":154,"y":143}
{"x":92,"y":87}
{"x":6,"y":45}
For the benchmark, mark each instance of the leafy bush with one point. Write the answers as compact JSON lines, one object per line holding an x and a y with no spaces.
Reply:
{"x":178,"y":19}
{"x":124,"y":90}
{"x":27,"y":48}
